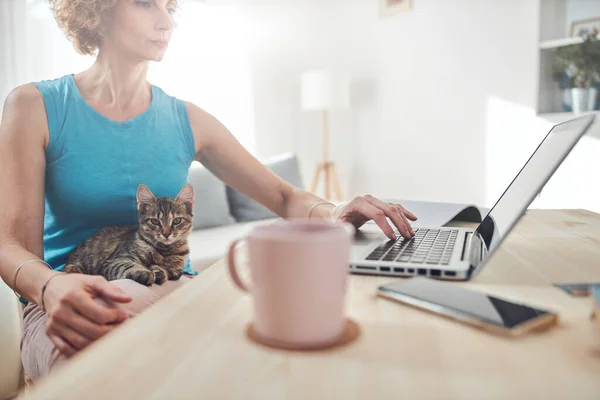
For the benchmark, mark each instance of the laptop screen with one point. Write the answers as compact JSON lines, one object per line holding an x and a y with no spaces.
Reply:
{"x":527,"y":184}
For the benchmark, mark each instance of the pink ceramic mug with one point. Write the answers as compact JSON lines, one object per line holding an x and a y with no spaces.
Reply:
{"x":298,"y":273}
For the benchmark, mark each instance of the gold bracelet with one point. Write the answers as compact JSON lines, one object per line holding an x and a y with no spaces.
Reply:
{"x":14,"y":277}
{"x":310,"y":210}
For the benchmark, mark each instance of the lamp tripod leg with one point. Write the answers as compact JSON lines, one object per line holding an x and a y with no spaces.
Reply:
{"x":316,"y":176}
{"x":327,"y":181}
{"x":336,"y":183}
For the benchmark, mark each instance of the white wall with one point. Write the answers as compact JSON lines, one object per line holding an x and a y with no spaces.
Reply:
{"x":304,"y":35}
{"x":424,"y":81}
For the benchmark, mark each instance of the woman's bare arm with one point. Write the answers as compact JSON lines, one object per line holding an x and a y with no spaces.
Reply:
{"x":23,"y":139}
{"x":224,"y":156}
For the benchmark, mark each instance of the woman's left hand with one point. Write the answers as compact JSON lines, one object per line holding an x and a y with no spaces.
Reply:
{"x":364,"y":208}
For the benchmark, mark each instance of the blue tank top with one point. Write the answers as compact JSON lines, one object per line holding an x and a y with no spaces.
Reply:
{"x":94,"y":164}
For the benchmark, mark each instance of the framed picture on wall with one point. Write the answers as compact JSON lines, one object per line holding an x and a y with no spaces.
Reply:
{"x":584,"y":26}
{"x":391,"y":7}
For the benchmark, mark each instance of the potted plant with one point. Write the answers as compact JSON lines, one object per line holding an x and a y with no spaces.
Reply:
{"x":578,"y":66}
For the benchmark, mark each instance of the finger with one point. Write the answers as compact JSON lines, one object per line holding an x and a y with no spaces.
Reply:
{"x":103,"y":287}
{"x":83,"y":326}
{"x":75,"y":339}
{"x":401,"y":211}
{"x":62,"y":346}
{"x":95,"y":311}
{"x":408,"y":228}
{"x":401,"y":223}
{"x":408,"y":214}
{"x":398,"y":209}
{"x":377,"y":215}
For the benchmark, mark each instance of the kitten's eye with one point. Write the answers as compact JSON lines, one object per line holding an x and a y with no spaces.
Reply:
{"x":177,"y":221}
{"x":154,"y":221}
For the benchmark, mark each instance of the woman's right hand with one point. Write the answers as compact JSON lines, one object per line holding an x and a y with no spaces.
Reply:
{"x":74,"y":316}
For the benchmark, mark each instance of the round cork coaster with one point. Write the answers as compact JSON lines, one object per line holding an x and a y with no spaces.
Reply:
{"x":350,"y":334}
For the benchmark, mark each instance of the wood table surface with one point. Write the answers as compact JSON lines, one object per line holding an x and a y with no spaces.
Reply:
{"x":192,"y":344}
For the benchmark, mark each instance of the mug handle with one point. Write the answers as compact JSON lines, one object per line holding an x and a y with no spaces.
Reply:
{"x":233,"y":268}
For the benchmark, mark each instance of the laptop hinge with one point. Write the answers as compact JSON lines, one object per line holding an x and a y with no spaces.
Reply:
{"x":466,"y":244}
{"x":478,"y":253}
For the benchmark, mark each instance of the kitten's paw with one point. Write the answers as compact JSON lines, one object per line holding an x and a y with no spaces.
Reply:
{"x":143,"y":276}
{"x":72,"y":269}
{"x":160,"y":273}
{"x":174,"y":274}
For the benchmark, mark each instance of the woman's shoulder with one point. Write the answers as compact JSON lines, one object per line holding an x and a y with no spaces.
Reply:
{"x":32,"y":97}
{"x":165,"y":101}
{"x":25,"y":106}
{"x":40,"y":102}
{"x":31,"y":92}
{"x":23,"y":94}
{"x":185,"y":107}
{"x":25,"y":99}
{"x":164,"y":97}
{"x":54,"y":86}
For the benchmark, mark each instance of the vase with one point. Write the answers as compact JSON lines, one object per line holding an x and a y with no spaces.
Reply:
{"x":592,"y":96}
{"x":580,"y":100}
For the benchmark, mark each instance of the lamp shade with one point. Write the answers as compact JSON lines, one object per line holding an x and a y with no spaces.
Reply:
{"x":325,"y":90}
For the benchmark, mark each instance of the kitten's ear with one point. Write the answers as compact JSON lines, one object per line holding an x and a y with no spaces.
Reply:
{"x":186,"y":196}
{"x":144,"y":195}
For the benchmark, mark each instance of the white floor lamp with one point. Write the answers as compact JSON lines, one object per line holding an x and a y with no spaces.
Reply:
{"x":325,"y":90}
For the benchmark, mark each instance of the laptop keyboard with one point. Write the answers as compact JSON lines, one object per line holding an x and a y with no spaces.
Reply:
{"x":428,"y":246}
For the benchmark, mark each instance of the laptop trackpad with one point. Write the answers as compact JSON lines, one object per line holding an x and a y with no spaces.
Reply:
{"x":363,"y":240}
{"x":368,"y":233}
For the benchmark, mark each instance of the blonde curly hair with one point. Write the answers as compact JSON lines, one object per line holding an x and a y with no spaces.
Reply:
{"x":82,"y":21}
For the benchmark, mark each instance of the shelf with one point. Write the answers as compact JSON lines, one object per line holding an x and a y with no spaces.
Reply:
{"x":553,"y":44}
{"x":557,"y":118}
{"x":562,"y":116}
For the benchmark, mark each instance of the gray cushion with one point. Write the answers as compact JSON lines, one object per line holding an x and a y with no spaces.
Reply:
{"x":245,"y":209}
{"x":210,"y":205}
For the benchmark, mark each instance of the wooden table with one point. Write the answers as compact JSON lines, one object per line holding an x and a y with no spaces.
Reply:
{"x":192,"y":344}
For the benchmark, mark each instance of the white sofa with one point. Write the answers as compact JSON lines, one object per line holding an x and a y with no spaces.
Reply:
{"x":11,"y":377}
{"x":207,"y":246}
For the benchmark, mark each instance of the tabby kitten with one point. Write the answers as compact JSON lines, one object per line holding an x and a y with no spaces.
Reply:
{"x":151,"y":253}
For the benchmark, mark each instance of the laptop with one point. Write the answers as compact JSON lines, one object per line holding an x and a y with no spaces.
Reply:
{"x":460,"y":253}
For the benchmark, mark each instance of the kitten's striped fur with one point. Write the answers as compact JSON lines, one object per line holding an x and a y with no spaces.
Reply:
{"x":151,"y":253}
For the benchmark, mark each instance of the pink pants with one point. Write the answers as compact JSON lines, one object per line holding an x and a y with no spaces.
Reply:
{"x":38,"y":353}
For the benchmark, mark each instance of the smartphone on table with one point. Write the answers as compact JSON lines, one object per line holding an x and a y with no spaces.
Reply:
{"x":481,"y":310}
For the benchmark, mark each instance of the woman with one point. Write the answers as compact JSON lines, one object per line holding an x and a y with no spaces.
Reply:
{"x":74,"y":149}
